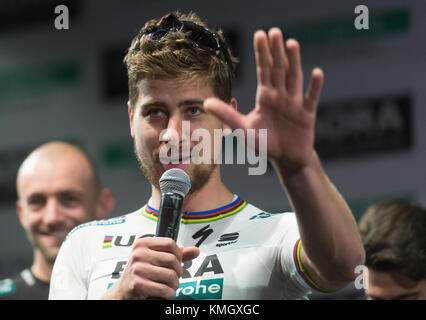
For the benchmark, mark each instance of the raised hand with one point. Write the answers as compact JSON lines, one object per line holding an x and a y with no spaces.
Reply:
{"x":280,"y":106}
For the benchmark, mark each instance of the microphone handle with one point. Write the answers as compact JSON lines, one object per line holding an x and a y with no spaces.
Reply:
{"x":169,"y":215}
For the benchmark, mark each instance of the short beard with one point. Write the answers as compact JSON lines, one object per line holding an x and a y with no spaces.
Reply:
{"x":199,"y":174}
{"x":47,"y":254}
{"x":152,"y":174}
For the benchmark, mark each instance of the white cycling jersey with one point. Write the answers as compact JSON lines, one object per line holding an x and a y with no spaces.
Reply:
{"x":245,"y":253}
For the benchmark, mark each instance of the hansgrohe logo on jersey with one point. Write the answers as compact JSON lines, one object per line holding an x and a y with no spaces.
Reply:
{"x":200,"y":289}
{"x":211,"y":288}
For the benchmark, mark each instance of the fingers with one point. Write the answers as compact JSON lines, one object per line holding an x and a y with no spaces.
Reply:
{"x":151,"y":273}
{"x":278,"y":66}
{"x":313,"y":92}
{"x":279,"y":58}
{"x":295,"y":73}
{"x":155,"y":290}
{"x":190,"y":253}
{"x":154,"y":269}
{"x":139,"y":287}
{"x":224,"y":112}
{"x":159,"y":244}
{"x":159,"y":252}
{"x":164,"y":245}
{"x":263,"y":58}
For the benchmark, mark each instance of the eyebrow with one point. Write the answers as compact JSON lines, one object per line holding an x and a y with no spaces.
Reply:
{"x":58,"y":193}
{"x":188,"y":102}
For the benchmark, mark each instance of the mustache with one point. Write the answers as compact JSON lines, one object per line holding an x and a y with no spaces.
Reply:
{"x":59,"y":232}
{"x":167,"y":154}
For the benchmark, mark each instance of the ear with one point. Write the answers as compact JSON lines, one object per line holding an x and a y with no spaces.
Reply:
{"x":234,"y":106}
{"x":130,"y":111}
{"x":21,"y":214}
{"x":105,"y":205}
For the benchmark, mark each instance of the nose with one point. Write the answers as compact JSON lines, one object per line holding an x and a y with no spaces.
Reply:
{"x":53,"y":214}
{"x":177,"y":130}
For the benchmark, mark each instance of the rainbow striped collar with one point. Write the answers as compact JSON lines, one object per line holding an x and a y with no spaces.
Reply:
{"x":202,"y":216}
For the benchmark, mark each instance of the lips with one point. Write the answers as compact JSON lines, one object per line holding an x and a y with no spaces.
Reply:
{"x":55,"y":238}
{"x":55,"y":241}
{"x":182,"y":166}
{"x":183,"y":159}
{"x":59,"y":234}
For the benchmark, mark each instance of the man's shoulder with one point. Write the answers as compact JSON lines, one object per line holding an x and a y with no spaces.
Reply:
{"x":24,"y":286}
{"x":252,"y":213}
{"x":7,"y":287}
{"x":10,"y":287}
{"x":93,"y":227}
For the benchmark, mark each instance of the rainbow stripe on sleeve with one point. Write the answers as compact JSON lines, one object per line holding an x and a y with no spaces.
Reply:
{"x":202,"y":216}
{"x":302,"y":271}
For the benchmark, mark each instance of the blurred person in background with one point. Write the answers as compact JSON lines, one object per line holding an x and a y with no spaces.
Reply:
{"x":394,"y":238}
{"x":58,"y":188}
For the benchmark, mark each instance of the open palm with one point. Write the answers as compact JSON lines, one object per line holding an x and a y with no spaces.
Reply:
{"x":280,"y":107}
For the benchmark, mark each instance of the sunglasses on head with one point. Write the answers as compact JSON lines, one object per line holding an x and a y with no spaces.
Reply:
{"x":201,"y":37}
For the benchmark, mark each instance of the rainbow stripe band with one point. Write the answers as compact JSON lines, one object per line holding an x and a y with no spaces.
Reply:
{"x":302,"y":271}
{"x":107,"y":242}
{"x":202,"y":216}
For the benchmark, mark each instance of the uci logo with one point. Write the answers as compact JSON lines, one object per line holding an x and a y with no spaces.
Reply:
{"x":121,"y":241}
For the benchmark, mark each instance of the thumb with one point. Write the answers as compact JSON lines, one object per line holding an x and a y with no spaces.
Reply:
{"x":224,"y":112}
{"x":190,"y":253}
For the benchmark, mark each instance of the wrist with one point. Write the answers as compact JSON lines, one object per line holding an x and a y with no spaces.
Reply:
{"x":288,"y":171}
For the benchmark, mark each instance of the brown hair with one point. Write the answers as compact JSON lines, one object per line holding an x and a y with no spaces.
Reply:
{"x":176,"y":56}
{"x":394,"y":238}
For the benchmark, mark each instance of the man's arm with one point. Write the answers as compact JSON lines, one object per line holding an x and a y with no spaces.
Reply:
{"x":331,"y":245}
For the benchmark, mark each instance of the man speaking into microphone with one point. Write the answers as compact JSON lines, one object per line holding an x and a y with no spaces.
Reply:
{"x":180,"y":71}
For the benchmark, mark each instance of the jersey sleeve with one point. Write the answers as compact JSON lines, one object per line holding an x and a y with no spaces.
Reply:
{"x":70,"y":271}
{"x":300,"y":282}
{"x":7,"y":289}
{"x":295,"y":284}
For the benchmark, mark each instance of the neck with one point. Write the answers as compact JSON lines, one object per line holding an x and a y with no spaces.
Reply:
{"x":212,"y":195}
{"x":41,"y":268}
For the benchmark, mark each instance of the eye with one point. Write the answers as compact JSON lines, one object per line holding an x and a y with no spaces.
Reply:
{"x":155,"y":113}
{"x":69,"y":199}
{"x":36,"y":202}
{"x":194,"y":111}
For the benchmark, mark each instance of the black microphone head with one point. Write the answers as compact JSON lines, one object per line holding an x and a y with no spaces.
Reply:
{"x":175,"y":181}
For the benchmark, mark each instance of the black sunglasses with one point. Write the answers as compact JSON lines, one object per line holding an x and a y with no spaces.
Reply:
{"x":201,"y":37}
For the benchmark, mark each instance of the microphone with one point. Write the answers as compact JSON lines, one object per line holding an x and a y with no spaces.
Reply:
{"x":174,"y":186}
